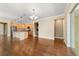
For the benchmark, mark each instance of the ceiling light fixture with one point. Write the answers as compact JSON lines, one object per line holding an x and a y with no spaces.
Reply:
{"x":33,"y":17}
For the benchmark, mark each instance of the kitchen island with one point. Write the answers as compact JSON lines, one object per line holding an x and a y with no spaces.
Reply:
{"x":20,"y":34}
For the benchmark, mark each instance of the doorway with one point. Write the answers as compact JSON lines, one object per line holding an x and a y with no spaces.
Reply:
{"x":58,"y":28}
{"x":3,"y":30}
{"x":36,"y":24}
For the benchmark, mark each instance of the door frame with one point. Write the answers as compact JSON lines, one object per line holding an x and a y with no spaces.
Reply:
{"x":4,"y":29}
{"x":62,"y":27}
{"x":36,"y":35}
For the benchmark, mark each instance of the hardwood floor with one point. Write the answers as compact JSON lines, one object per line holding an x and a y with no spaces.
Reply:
{"x":35,"y":47}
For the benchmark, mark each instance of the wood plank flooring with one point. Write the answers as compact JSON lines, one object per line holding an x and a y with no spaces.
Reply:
{"x":35,"y":47}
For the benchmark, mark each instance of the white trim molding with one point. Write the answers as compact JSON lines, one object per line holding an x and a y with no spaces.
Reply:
{"x":59,"y":37}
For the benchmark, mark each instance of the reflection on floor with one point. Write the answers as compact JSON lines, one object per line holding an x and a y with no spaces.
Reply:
{"x":4,"y":46}
{"x":35,"y":47}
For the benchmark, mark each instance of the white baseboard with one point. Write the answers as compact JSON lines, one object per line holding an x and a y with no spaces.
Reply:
{"x":46,"y":37}
{"x":59,"y":37}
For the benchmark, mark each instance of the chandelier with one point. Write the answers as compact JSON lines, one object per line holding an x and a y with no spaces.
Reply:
{"x":33,"y":17}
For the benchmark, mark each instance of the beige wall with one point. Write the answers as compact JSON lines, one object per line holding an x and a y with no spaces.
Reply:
{"x":46,"y":28}
{"x":76,"y":49}
{"x":77,"y":28}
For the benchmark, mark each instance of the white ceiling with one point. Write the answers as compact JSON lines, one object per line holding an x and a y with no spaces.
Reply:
{"x":16,"y":10}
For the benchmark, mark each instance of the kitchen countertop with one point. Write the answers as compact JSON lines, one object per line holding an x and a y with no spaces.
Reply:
{"x":20,"y":34}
